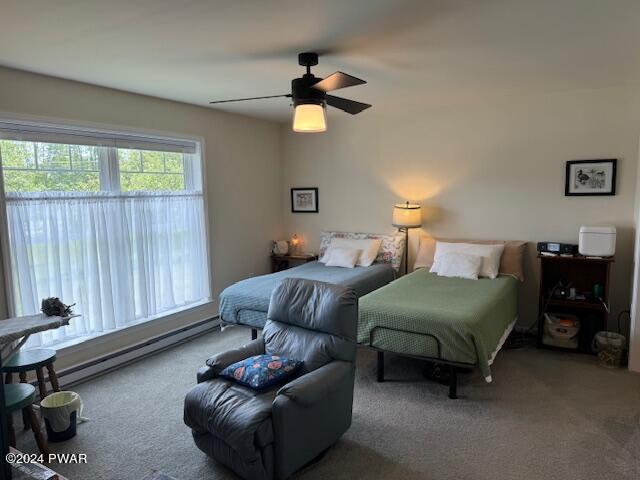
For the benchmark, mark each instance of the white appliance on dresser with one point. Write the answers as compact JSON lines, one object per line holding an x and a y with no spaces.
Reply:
{"x":597,"y":241}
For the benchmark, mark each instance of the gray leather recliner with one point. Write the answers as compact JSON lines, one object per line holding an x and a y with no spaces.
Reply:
{"x":271,"y":434}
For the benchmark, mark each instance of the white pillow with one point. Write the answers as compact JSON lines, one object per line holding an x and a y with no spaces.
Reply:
{"x":460,"y":265}
{"x":342,"y":257}
{"x":368,"y":246}
{"x":491,"y":255}
{"x":327,"y":255}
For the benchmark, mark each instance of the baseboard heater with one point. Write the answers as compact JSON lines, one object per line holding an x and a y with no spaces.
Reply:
{"x":128,"y":355}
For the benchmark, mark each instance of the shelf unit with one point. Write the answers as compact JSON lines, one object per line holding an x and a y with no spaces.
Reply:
{"x":582,"y":273}
{"x":585,"y":304}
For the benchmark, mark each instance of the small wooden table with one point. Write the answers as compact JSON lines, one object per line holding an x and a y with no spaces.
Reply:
{"x":283,"y":262}
{"x":12,"y":330}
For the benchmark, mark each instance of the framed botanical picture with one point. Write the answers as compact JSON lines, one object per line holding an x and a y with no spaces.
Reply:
{"x":304,"y":200}
{"x":590,"y":177}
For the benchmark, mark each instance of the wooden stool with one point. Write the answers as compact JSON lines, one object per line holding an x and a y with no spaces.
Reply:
{"x":20,"y":397}
{"x":25,"y":361}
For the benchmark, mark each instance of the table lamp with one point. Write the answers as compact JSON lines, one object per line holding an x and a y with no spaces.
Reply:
{"x":295,"y":244}
{"x":406,"y":216}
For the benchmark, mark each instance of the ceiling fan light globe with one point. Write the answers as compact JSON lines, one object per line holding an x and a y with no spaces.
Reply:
{"x":309,"y":118}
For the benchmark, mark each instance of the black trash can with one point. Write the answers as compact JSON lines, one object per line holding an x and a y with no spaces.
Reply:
{"x":60,"y":412}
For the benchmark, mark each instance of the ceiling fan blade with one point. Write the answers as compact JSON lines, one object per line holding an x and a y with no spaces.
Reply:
{"x":337,"y":80}
{"x":344,"y":104}
{"x":288,"y":95}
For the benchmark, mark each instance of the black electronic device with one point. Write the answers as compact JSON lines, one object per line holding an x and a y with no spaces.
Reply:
{"x":557,"y":248}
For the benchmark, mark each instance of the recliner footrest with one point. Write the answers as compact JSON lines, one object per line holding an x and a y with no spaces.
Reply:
{"x":239,"y":415}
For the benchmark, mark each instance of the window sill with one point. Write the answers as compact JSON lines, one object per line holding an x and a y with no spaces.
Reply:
{"x":85,"y":348}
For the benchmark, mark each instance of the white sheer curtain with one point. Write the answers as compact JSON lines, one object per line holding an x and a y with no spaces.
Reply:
{"x":120,"y":258}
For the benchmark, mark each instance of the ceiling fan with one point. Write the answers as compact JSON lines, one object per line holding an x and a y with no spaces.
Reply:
{"x":310,"y":98}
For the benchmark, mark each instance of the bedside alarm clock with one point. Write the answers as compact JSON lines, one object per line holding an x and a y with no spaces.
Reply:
{"x":557,"y":248}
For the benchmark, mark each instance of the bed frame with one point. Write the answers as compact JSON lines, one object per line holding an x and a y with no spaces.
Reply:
{"x":452,"y":367}
{"x":254,"y":330}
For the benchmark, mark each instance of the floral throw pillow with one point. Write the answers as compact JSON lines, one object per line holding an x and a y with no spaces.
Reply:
{"x":262,"y":371}
{"x":391,"y":249}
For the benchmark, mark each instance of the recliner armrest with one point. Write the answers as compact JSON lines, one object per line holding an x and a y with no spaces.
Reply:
{"x":205,"y":373}
{"x":311,"y":388}
{"x":222,"y":360}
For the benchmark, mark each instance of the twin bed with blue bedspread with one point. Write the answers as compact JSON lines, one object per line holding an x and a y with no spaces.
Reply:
{"x":246,"y":302}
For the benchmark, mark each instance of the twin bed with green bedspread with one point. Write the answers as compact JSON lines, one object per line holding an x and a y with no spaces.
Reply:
{"x":441,"y":318}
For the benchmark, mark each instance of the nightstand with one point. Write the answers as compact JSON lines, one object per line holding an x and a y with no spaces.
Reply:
{"x":283,"y":262}
{"x":558,"y":276}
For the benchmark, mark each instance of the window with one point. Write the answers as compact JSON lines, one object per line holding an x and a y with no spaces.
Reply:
{"x":150,"y":171}
{"x":42,"y":167}
{"x":113,"y":223}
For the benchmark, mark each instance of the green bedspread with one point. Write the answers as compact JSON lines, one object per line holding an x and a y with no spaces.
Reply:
{"x":468,"y":317}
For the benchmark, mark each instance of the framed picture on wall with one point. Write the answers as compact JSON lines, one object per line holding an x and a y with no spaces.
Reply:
{"x":304,"y":200}
{"x":590,"y":177}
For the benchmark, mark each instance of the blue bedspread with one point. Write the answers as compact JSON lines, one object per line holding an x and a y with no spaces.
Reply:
{"x":247,"y":302}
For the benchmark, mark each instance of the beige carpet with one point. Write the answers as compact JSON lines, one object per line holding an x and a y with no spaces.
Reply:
{"x":547,"y":415}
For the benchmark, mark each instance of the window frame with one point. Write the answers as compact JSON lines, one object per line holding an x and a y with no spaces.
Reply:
{"x":110,"y":177}
{"x":109,"y":172}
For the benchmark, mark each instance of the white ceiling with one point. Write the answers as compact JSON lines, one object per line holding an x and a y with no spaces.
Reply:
{"x":438,"y":51}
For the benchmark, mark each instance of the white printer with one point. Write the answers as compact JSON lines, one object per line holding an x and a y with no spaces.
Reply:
{"x":597,"y":241}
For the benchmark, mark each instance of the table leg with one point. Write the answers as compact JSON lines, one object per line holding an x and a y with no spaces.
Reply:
{"x":12,"y":432}
{"x":5,"y":467}
{"x":26,"y":422}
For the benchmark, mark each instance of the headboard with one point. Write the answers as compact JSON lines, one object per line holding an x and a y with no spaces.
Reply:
{"x":391,"y":249}
{"x":511,"y":262}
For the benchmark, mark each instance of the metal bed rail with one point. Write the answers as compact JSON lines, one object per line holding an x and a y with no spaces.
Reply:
{"x":453,"y":367}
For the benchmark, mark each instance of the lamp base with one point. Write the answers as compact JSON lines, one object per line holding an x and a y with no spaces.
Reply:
{"x":406,"y":248}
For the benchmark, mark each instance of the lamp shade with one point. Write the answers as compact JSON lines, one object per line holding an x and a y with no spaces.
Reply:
{"x":309,"y":118}
{"x":407,"y":215}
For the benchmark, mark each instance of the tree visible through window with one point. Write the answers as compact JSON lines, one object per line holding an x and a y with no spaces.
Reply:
{"x":43,"y":167}
{"x":150,"y":171}
{"x":119,"y":232}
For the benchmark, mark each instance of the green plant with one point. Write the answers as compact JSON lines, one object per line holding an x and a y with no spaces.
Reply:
{"x":54,"y":307}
